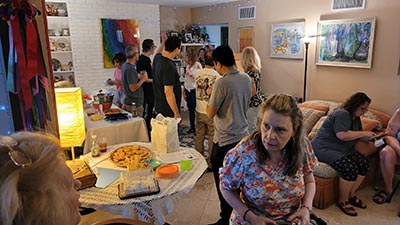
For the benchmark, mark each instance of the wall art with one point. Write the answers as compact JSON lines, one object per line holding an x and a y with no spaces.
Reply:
{"x":286,"y":40}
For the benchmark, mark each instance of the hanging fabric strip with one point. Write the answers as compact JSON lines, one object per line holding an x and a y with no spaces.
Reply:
{"x":11,"y":60}
{"x":6,"y":118}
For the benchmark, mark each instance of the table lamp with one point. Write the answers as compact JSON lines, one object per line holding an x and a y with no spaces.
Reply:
{"x":71,"y":124}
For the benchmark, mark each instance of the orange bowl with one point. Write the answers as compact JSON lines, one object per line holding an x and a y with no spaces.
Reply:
{"x":167,"y":171}
{"x":106,"y":106}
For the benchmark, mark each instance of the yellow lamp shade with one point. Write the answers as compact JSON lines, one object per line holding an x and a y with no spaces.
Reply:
{"x":71,"y":123}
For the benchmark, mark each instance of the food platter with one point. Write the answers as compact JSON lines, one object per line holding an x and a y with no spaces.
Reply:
{"x":132,"y":156}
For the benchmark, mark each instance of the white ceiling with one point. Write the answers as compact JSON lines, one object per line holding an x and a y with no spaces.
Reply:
{"x":183,"y":3}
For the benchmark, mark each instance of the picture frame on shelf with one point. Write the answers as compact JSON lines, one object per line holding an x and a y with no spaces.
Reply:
{"x":346,"y":43}
{"x":246,"y":37}
{"x":286,"y":39}
{"x":339,"y":5}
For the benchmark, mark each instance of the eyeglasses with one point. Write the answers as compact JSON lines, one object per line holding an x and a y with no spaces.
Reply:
{"x":19,"y":158}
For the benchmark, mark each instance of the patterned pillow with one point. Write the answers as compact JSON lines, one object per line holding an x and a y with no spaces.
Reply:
{"x":315,"y":129}
{"x":324,"y":108}
{"x":310,"y":118}
{"x":372,"y":116}
{"x":331,"y":104}
{"x":368,"y":124}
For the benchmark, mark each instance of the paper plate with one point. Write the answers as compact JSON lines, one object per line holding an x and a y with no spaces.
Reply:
{"x":167,"y":171}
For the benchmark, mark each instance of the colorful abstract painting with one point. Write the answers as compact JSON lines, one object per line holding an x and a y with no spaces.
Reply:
{"x":347,"y":43}
{"x":117,"y":34}
{"x":245,"y":37}
{"x":286,"y":40}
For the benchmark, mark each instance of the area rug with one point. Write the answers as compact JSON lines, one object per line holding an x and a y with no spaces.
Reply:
{"x":185,"y":139}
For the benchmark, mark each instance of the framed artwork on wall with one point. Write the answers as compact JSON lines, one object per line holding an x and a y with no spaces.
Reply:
{"x":117,"y":34}
{"x":338,"y":5}
{"x":286,"y":40}
{"x":346,"y":43}
{"x":246,"y":37}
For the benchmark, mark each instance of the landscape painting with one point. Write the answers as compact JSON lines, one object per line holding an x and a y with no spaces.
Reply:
{"x":347,"y":43}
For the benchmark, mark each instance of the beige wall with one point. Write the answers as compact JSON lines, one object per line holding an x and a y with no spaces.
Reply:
{"x":174,"y":19}
{"x":381,"y":82}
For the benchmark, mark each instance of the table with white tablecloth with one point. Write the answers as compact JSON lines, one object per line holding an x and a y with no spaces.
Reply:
{"x":116,"y":131}
{"x":151,"y":208}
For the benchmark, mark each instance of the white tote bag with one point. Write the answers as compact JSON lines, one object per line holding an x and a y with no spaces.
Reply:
{"x":164,"y":134}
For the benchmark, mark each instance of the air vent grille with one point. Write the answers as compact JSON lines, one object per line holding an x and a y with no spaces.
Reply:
{"x":247,"y":13}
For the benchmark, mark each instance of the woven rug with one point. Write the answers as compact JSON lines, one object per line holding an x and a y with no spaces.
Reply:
{"x":185,"y":139}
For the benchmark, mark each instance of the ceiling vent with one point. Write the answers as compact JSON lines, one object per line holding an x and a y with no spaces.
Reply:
{"x":247,"y":12}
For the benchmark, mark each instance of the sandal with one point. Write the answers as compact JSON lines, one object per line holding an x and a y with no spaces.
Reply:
{"x":380,"y":197}
{"x":347,"y":208}
{"x":355,"y":201}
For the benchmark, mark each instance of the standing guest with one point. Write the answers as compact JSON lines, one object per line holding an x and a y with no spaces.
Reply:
{"x":36,"y":185}
{"x":132,"y":82}
{"x":228,"y":105}
{"x":118,"y":60}
{"x":190,"y":86}
{"x":334,"y":145}
{"x":202,"y":60}
{"x":251,"y":64}
{"x":205,"y":78}
{"x":389,"y":157}
{"x":144,"y":64}
{"x":276,"y":152}
{"x":166,"y":84}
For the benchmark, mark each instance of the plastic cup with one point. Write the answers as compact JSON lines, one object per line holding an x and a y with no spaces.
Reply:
{"x":102,"y":143}
{"x":186,"y":164}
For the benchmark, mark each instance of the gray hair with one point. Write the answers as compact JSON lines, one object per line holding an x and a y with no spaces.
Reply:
{"x":130,"y":51}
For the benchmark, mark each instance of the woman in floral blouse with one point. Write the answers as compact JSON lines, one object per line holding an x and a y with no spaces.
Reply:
{"x":251,"y":63}
{"x":272,"y":168}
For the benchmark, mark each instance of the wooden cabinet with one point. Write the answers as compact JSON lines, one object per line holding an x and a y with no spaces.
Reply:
{"x":60,"y":43}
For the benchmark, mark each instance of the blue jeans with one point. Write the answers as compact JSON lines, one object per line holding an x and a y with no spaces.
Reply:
{"x":191,"y":104}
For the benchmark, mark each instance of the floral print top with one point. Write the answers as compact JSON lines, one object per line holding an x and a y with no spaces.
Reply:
{"x":264,"y":189}
{"x":259,"y":97}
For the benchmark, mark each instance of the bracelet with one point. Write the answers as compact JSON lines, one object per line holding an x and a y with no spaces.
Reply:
{"x":308,"y":208}
{"x":245,"y":214}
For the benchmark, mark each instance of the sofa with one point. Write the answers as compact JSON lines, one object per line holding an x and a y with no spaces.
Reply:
{"x":315,"y":112}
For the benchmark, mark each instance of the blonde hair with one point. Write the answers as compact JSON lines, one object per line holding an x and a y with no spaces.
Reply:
{"x":250,"y":60}
{"x":191,"y":56}
{"x":34,"y":194}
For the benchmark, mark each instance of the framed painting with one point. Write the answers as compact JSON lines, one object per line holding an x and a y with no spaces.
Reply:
{"x":286,"y":40}
{"x":246,"y":37}
{"x":117,"y":34}
{"x":346,"y":43}
{"x":338,"y":5}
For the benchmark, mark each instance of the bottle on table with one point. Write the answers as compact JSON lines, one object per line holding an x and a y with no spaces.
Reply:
{"x":95,"y":148}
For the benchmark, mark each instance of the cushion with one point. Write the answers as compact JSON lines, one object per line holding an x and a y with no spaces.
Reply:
{"x":310,"y":118}
{"x":383,"y":117}
{"x":372,"y":116}
{"x":368,"y":124}
{"x":316,"y":127}
{"x":323,"y":108}
{"x":331,"y":104}
{"x":324,"y":170}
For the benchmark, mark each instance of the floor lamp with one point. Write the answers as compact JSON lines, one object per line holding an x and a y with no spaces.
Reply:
{"x":306,"y":41}
{"x":71,"y":123}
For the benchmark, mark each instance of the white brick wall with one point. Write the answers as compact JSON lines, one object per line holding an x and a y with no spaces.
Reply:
{"x":86,"y":37}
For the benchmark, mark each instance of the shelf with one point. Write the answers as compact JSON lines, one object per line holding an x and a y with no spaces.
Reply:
{"x":57,"y":37}
{"x":57,"y":17}
{"x":62,"y":72}
{"x":61,"y":52}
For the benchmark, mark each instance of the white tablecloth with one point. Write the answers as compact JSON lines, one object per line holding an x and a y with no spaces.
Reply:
{"x":116,"y":132}
{"x":151,"y":208}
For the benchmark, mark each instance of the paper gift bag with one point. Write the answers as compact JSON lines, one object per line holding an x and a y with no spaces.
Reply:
{"x":164,"y":134}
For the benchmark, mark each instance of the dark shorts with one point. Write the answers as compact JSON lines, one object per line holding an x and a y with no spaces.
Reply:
{"x":351,"y":166}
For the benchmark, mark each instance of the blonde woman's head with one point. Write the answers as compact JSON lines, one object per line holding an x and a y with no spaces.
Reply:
{"x":250,"y":60}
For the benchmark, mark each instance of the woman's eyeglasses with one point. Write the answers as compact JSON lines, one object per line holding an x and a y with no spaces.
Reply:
{"x":19,"y":158}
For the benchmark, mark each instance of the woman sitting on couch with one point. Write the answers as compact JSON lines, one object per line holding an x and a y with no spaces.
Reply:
{"x":334,"y":145}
